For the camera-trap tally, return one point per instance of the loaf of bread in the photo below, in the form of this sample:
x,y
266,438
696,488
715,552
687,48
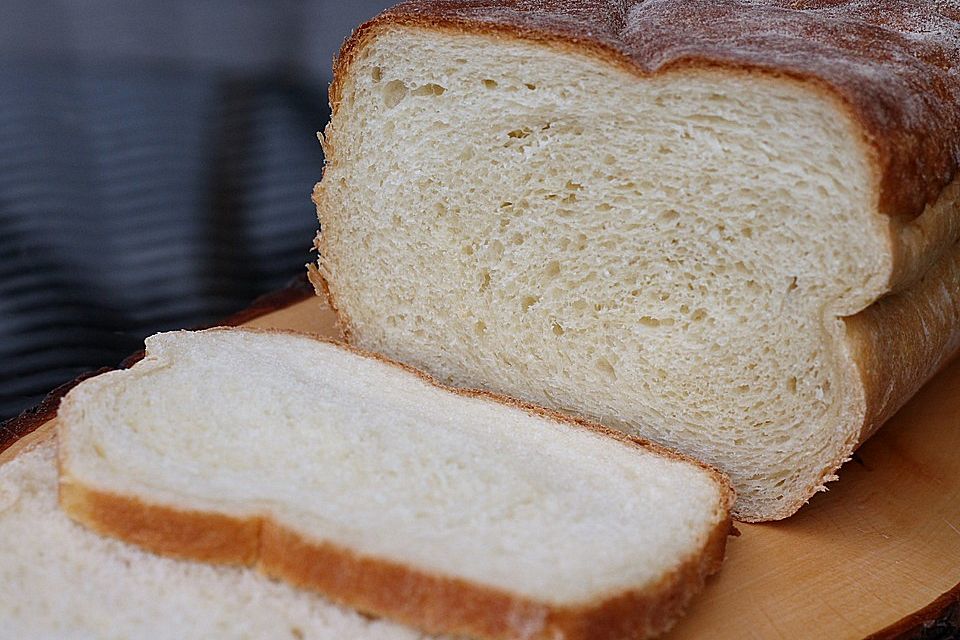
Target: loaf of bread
x,y
64,582
455,512
728,226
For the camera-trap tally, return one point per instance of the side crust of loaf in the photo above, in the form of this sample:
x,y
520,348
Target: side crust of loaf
x,y
903,339
431,602
898,343
906,337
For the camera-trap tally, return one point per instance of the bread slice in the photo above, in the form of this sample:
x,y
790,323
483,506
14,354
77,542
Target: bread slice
x,y
336,471
728,227
64,582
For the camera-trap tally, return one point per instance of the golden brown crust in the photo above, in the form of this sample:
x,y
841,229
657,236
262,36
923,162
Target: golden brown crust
x,y
891,62
440,604
191,535
429,601
902,340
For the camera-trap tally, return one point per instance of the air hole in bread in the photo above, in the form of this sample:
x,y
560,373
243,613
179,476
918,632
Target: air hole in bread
x,y
430,89
527,302
604,366
393,93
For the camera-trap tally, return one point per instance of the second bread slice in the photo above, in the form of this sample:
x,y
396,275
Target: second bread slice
x,y
343,473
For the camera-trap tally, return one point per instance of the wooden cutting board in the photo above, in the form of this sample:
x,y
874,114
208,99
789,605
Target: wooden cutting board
x,y
878,554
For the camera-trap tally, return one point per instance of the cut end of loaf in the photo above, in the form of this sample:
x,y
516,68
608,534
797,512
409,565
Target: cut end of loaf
x,y
490,517
670,254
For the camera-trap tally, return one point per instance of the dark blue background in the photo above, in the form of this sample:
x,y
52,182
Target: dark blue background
x,y
156,162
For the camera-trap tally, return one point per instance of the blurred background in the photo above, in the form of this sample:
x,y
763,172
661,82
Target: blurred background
x,y
156,163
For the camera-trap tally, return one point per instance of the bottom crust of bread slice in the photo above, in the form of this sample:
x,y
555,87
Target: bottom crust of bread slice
x,y
337,471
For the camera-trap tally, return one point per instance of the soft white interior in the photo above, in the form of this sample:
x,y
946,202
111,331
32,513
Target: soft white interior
x,y
347,449
668,254
62,582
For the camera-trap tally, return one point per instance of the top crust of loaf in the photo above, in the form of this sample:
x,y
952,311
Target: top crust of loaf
x,y
891,63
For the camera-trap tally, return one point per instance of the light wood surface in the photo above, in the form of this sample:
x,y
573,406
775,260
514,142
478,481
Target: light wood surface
x,y
882,543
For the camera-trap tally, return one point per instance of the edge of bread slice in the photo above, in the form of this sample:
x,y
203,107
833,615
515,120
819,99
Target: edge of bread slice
x,y
153,484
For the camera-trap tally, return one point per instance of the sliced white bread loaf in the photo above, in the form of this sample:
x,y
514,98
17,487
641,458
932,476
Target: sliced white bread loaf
x,y
336,471
62,581
677,217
